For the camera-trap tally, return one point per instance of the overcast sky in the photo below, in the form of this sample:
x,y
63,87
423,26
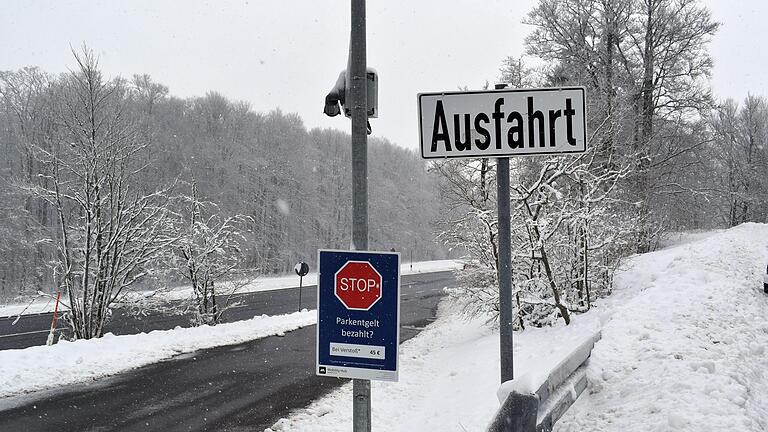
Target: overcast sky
x,y
287,54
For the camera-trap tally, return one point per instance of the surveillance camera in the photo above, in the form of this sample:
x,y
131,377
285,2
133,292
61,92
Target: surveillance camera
x,y
334,101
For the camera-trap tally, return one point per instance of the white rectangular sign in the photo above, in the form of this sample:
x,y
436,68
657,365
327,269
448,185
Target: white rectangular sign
x,y
360,351
506,122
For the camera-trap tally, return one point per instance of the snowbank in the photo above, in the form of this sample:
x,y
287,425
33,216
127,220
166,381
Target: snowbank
x,y
683,348
46,305
684,342
449,374
679,238
292,281
44,367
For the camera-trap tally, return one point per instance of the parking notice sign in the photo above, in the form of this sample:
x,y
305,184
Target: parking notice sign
x,y
358,314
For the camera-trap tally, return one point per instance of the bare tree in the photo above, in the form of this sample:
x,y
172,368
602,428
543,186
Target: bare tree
x,y
668,49
564,251
516,73
208,255
468,227
741,153
108,232
647,64
148,91
25,114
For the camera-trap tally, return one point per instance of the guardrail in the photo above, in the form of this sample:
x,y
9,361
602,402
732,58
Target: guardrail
x,y
526,411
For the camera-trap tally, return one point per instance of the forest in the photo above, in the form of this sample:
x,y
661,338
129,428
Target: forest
x,y
107,184
290,186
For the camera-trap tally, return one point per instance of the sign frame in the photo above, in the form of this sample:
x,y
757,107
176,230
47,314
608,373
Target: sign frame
x,y
460,154
357,366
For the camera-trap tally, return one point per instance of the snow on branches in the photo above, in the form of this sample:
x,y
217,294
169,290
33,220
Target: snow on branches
x,y
208,255
566,237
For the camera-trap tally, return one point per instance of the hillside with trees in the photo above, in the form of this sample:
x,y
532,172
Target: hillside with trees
x,y
80,149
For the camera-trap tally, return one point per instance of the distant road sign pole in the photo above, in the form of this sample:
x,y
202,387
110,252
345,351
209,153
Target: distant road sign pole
x,y
358,103
301,269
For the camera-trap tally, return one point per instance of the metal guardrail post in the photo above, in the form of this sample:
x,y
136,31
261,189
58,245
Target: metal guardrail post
x,y
517,414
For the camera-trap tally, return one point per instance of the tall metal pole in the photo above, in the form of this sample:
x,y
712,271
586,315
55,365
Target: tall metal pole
x,y
505,267
361,389
505,270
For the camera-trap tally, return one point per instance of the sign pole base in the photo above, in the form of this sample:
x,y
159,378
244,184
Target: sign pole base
x,y
361,405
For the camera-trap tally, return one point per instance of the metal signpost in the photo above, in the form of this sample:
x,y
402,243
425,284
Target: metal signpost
x,y
301,269
355,93
503,123
358,308
358,104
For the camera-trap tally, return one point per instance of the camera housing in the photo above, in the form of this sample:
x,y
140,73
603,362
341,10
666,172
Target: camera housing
x,y
336,99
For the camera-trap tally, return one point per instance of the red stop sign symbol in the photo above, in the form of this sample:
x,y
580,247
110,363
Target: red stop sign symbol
x,y
357,285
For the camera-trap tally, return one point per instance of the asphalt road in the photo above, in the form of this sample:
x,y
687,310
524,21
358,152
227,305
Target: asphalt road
x,y
31,330
245,387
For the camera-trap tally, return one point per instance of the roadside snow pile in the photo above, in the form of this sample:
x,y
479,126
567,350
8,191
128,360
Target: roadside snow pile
x,y
685,342
449,375
429,266
44,367
292,281
46,305
679,238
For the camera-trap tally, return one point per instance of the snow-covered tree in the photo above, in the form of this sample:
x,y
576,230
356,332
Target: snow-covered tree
x,y
208,256
739,156
108,232
645,65
565,244
468,227
292,181
25,124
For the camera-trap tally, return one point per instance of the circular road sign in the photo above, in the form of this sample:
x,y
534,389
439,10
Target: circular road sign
x,y
357,285
301,269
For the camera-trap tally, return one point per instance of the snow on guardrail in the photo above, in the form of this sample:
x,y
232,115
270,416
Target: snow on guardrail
x,y
536,400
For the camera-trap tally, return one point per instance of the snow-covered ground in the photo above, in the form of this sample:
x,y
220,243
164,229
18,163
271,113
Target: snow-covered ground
x,y
685,343
292,281
46,304
449,374
45,367
683,348
679,238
